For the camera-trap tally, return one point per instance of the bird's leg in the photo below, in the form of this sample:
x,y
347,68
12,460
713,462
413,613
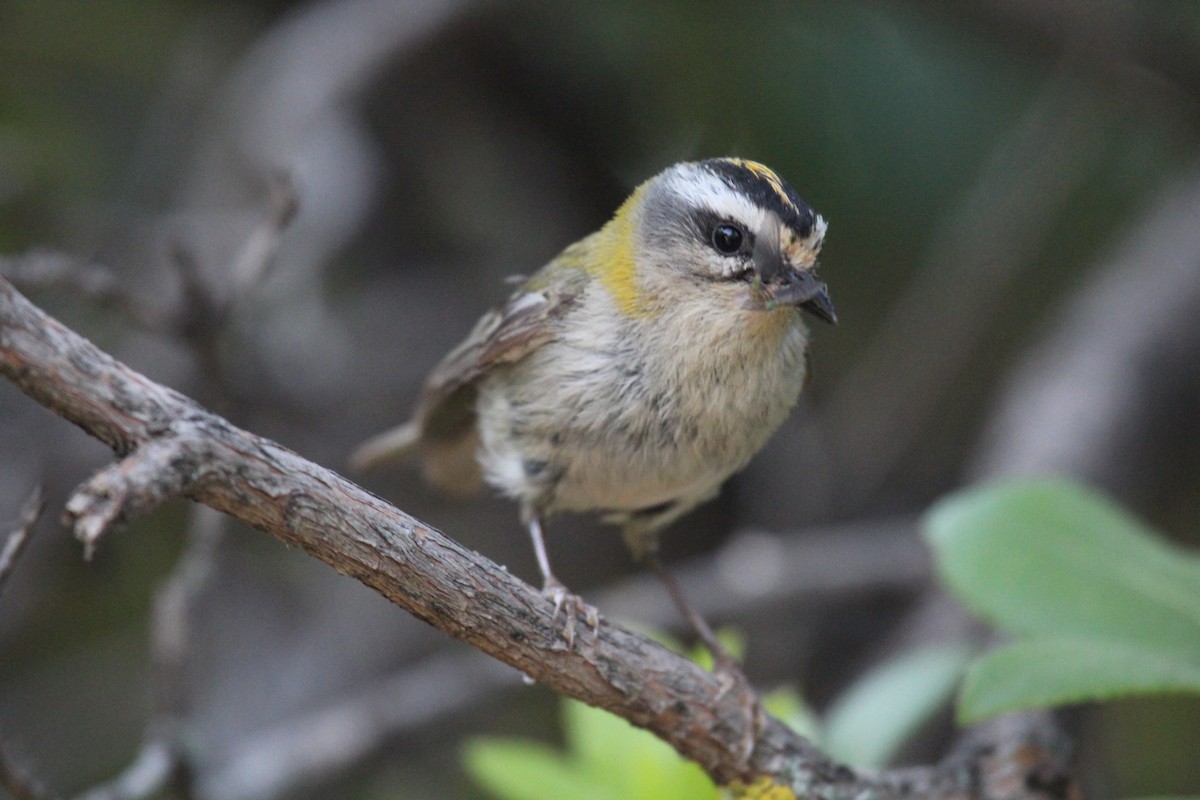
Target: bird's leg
x,y
642,541
727,669
564,599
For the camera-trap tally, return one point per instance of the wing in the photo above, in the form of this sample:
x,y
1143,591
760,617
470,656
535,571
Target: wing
x,y
442,428
504,335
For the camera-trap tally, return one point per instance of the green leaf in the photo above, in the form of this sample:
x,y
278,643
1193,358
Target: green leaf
x,y
1053,558
630,762
595,737
1046,672
521,770
608,759
1109,609
870,722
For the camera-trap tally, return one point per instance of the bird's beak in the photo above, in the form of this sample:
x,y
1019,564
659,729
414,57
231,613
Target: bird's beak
x,y
781,282
799,288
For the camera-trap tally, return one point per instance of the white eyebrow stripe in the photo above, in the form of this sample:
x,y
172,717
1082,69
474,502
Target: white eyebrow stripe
x,y
703,190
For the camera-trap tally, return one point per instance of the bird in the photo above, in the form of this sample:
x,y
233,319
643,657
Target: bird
x,y
636,371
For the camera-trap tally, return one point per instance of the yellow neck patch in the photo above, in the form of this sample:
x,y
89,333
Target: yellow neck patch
x,y
612,260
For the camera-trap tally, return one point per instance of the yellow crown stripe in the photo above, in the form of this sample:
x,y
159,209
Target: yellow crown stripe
x,y
769,175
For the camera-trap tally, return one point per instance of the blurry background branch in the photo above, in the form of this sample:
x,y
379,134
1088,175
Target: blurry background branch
x,y
981,251
14,543
1090,399
15,778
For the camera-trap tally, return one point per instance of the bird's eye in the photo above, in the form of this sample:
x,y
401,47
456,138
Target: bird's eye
x,y
727,238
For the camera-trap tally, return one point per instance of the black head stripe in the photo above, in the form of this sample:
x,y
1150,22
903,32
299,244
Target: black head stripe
x,y
766,189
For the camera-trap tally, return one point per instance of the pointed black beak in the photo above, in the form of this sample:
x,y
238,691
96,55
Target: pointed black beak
x,y
799,288
820,306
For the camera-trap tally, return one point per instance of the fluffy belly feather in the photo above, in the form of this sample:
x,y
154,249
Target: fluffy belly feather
x,y
589,426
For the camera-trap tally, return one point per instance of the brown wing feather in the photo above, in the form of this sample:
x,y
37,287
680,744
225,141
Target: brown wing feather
x,y
442,428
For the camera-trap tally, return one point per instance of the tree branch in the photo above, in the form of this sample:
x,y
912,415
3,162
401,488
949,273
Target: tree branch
x,y
168,446
846,560
14,543
13,778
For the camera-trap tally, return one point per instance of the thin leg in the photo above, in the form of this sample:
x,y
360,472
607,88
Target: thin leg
x,y
552,587
725,666
539,550
723,660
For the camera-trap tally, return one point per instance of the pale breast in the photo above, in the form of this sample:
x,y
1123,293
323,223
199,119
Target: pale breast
x,y
623,413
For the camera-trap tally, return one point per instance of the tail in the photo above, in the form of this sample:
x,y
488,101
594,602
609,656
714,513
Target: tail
x,y
449,465
391,445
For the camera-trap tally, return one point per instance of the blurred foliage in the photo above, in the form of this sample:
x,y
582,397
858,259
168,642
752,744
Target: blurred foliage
x,y
1101,605
76,83
872,721
606,758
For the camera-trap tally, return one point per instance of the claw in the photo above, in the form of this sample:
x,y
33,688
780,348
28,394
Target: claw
x,y
593,618
565,601
570,605
558,593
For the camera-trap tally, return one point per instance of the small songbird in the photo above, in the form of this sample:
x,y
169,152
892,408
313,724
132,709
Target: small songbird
x,y
636,371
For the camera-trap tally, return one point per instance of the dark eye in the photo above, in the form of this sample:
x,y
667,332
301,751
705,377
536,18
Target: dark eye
x,y
727,238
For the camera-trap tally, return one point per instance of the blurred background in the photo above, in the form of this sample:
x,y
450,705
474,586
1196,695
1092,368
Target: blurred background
x,y
1013,191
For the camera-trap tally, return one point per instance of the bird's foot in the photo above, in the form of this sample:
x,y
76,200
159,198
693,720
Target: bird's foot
x,y
570,605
